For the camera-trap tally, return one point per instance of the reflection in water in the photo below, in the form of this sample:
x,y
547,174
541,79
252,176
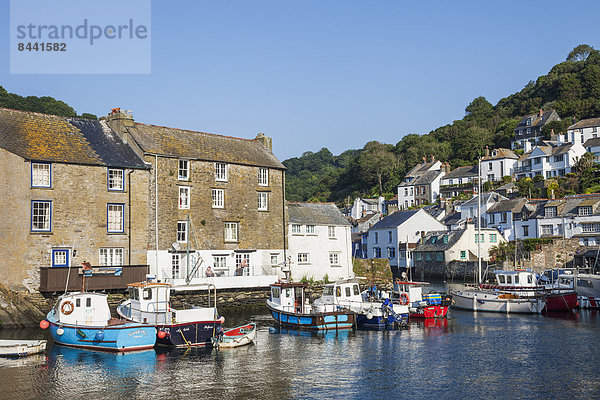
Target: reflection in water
x,y
470,355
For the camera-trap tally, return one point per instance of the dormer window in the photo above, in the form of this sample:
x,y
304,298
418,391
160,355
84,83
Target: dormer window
x,y
550,212
528,121
494,153
584,210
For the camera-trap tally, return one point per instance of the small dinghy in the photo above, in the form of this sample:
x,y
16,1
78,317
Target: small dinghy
x,y
19,348
236,337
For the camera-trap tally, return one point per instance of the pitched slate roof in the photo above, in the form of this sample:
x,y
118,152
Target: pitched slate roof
x,y
536,120
487,196
395,219
42,137
434,240
514,205
585,123
593,142
316,214
202,146
501,153
463,172
422,167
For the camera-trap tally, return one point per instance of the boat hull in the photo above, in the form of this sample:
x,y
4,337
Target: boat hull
x,y
589,302
491,302
199,333
236,337
336,320
20,348
124,337
561,302
430,312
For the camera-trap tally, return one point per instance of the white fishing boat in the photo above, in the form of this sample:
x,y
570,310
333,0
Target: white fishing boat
x,y
20,348
371,311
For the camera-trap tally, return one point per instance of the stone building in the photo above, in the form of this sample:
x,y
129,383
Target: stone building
x,y
71,191
214,201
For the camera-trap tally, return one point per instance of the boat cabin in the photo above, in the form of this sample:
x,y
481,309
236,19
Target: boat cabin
x,y
289,297
344,292
414,291
520,278
82,309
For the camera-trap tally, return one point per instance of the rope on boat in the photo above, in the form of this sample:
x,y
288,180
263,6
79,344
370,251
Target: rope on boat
x,y
183,336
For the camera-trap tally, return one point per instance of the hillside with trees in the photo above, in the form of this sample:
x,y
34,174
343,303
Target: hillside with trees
x,y
572,88
45,105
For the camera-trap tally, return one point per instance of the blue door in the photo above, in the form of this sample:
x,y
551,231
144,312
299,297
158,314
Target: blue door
x,y
60,257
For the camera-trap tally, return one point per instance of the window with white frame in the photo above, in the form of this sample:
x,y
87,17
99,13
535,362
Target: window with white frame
x,y
182,233
174,266
220,262
547,229
115,215
593,227
263,201
183,173
550,212
184,197
116,179
263,176
111,256
310,229
296,229
231,231
334,259
41,175
218,198
303,258
584,210
60,257
331,232
242,264
41,215
221,172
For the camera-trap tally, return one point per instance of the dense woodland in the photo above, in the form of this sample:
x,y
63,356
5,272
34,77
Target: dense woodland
x,y
572,88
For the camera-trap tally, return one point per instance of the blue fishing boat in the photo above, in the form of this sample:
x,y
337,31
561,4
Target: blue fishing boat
x,y
84,320
290,307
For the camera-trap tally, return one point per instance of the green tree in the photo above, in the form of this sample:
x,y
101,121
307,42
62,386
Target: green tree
x,y
580,53
376,162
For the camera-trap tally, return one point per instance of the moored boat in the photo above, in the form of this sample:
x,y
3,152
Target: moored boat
x,y
20,348
587,286
289,306
372,310
236,337
430,305
84,320
149,303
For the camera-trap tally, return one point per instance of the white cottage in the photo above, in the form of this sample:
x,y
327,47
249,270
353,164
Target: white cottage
x,y
319,241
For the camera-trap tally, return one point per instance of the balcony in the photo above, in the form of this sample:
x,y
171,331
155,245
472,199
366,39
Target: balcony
x,y
101,278
525,168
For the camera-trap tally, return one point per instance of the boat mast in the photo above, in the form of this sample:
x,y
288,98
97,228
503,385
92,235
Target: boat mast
x,y
479,221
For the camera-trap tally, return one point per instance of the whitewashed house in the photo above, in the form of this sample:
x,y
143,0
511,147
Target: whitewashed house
x,y
320,242
583,130
363,206
499,163
530,127
593,146
396,235
469,210
461,180
549,159
421,185
510,215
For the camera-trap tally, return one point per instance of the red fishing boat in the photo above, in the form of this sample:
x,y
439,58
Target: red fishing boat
x,y
430,305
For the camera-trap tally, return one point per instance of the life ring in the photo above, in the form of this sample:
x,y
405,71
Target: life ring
x,y
67,307
404,299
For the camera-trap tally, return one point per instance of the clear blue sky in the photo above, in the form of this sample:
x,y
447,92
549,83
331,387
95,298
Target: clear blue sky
x,y
333,74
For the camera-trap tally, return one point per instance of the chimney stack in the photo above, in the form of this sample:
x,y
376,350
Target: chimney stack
x,y
526,146
541,112
119,120
487,151
265,141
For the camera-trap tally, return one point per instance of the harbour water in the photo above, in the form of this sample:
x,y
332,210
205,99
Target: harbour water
x,y
467,356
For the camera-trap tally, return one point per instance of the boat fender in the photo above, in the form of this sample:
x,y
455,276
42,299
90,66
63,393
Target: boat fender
x,y
404,300
369,315
60,331
44,324
161,334
66,307
99,336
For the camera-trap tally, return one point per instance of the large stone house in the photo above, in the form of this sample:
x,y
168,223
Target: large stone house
x,y
72,191
320,242
214,201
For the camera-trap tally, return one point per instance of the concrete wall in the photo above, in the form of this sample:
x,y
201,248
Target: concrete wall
x,y
79,198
